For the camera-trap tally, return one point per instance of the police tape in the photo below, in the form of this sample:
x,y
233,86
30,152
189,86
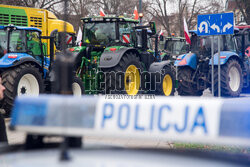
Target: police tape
x,y
189,119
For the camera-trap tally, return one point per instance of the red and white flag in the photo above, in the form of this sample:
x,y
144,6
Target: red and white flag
x,y
136,14
102,12
186,31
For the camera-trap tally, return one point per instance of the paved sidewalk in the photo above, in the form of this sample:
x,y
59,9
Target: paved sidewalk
x,y
19,138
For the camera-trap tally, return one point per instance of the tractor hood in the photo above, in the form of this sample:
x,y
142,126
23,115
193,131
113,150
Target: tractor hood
x,y
188,59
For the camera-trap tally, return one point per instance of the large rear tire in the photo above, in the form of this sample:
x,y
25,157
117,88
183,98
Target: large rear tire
x,y
77,87
231,79
25,79
167,85
185,85
129,80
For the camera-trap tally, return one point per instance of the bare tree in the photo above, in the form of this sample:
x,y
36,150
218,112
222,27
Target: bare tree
x,y
244,7
43,4
182,5
170,14
158,9
12,2
117,7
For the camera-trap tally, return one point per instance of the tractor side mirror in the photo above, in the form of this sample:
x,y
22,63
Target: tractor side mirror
x,y
152,27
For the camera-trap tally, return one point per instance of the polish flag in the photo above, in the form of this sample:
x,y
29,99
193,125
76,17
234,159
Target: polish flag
x,y
136,14
102,12
186,31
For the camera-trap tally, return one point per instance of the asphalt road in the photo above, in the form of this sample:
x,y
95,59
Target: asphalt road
x,y
19,138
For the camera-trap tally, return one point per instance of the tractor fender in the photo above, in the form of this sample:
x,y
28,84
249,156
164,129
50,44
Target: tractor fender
x,y
158,66
15,59
110,59
224,56
188,59
156,71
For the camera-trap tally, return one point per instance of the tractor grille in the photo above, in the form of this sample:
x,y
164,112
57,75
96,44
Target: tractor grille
x,y
19,20
36,22
4,19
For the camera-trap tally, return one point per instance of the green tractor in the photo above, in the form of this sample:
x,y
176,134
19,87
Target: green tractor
x,y
115,57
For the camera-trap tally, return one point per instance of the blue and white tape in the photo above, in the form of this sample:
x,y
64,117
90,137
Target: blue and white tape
x,y
202,120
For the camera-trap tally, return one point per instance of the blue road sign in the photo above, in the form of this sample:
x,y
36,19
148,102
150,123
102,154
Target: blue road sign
x,y
215,24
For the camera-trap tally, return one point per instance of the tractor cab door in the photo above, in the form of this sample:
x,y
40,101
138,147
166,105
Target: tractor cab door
x,y
34,44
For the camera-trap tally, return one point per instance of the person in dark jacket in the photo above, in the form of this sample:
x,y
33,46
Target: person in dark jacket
x,y
3,135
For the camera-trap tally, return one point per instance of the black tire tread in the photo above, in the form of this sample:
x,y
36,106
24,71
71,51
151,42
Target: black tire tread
x,y
8,80
186,88
225,89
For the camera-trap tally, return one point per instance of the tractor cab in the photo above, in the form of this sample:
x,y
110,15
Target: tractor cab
x,y
201,45
20,40
108,30
171,47
242,40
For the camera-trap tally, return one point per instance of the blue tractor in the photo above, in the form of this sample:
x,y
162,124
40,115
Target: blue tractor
x,y
25,67
194,68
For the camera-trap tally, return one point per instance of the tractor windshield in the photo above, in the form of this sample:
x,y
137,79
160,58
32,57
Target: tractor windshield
x,y
203,44
228,43
3,42
17,41
175,47
99,33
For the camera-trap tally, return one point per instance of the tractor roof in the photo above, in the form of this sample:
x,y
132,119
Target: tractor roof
x,y
109,18
22,28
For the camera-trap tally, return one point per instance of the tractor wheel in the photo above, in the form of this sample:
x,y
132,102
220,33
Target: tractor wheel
x,y
167,84
25,79
185,86
77,87
128,82
231,79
